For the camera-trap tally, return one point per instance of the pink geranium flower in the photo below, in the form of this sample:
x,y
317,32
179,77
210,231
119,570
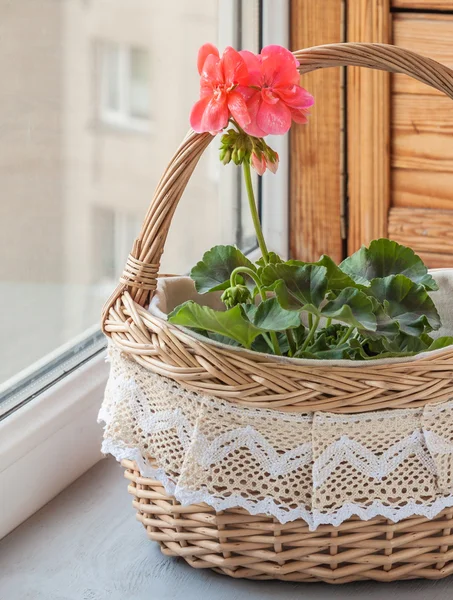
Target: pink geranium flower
x,y
274,96
220,77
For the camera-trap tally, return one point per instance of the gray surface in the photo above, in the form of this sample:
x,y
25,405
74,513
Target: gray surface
x,y
85,545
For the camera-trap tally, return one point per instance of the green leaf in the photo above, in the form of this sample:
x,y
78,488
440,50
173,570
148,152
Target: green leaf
x,y
213,272
261,345
230,323
270,316
272,259
353,307
402,343
296,286
336,278
334,353
405,304
441,342
383,258
223,339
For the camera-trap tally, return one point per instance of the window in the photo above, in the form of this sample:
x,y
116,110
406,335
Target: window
x,y
125,86
98,100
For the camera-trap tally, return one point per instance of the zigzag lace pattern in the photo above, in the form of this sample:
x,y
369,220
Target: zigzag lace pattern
x,y
321,467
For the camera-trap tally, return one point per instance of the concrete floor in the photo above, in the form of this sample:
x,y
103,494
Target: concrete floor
x,y
85,545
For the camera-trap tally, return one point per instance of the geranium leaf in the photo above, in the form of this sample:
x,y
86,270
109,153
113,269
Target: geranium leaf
x,y
272,259
270,316
296,286
336,278
441,342
213,271
230,323
353,307
406,304
383,258
261,345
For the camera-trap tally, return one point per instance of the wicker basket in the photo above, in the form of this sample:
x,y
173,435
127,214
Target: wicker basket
x,y
235,542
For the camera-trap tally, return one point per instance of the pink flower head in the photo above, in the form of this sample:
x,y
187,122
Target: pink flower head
x,y
220,76
274,96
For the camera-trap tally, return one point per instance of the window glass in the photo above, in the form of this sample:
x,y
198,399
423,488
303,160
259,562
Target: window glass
x,y
97,100
139,83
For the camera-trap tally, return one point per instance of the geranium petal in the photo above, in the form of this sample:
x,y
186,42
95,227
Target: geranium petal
x,y
299,115
234,68
215,116
253,105
196,114
203,53
211,73
295,96
279,67
253,62
274,118
238,109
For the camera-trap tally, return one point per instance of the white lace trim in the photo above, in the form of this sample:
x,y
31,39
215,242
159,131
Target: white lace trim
x,y
193,437
268,506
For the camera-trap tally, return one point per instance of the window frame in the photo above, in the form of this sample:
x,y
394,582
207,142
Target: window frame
x,y
40,443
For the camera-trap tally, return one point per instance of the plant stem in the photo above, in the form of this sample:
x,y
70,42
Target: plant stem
x,y
346,336
328,322
251,274
291,342
256,279
254,211
275,343
311,334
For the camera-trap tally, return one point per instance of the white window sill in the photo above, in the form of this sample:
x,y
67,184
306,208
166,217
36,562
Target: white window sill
x,y
86,545
50,442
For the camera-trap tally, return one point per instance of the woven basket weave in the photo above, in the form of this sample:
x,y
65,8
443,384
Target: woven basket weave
x,y
259,547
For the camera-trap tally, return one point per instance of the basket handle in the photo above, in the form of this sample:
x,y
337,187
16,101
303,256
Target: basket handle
x,y
140,274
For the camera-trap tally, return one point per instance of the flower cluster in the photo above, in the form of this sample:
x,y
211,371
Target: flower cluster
x,y
238,146
261,92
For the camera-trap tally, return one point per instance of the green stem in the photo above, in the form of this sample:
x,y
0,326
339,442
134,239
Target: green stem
x,y
291,342
256,279
254,211
328,322
346,336
275,343
311,334
310,320
247,271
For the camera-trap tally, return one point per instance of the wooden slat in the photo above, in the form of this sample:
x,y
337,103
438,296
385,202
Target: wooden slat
x,y
423,4
436,261
427,34
316,177
422,144
422,189
424,230
422,128
368,128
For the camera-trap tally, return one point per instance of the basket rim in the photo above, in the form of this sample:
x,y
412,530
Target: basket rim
x,y
303,362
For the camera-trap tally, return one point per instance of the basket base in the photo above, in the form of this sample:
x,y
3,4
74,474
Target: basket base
x,y
240,545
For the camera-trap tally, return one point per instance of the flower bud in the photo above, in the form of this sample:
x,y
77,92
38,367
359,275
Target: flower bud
x,y
236,295
226,157
235,157
272,162
258,162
